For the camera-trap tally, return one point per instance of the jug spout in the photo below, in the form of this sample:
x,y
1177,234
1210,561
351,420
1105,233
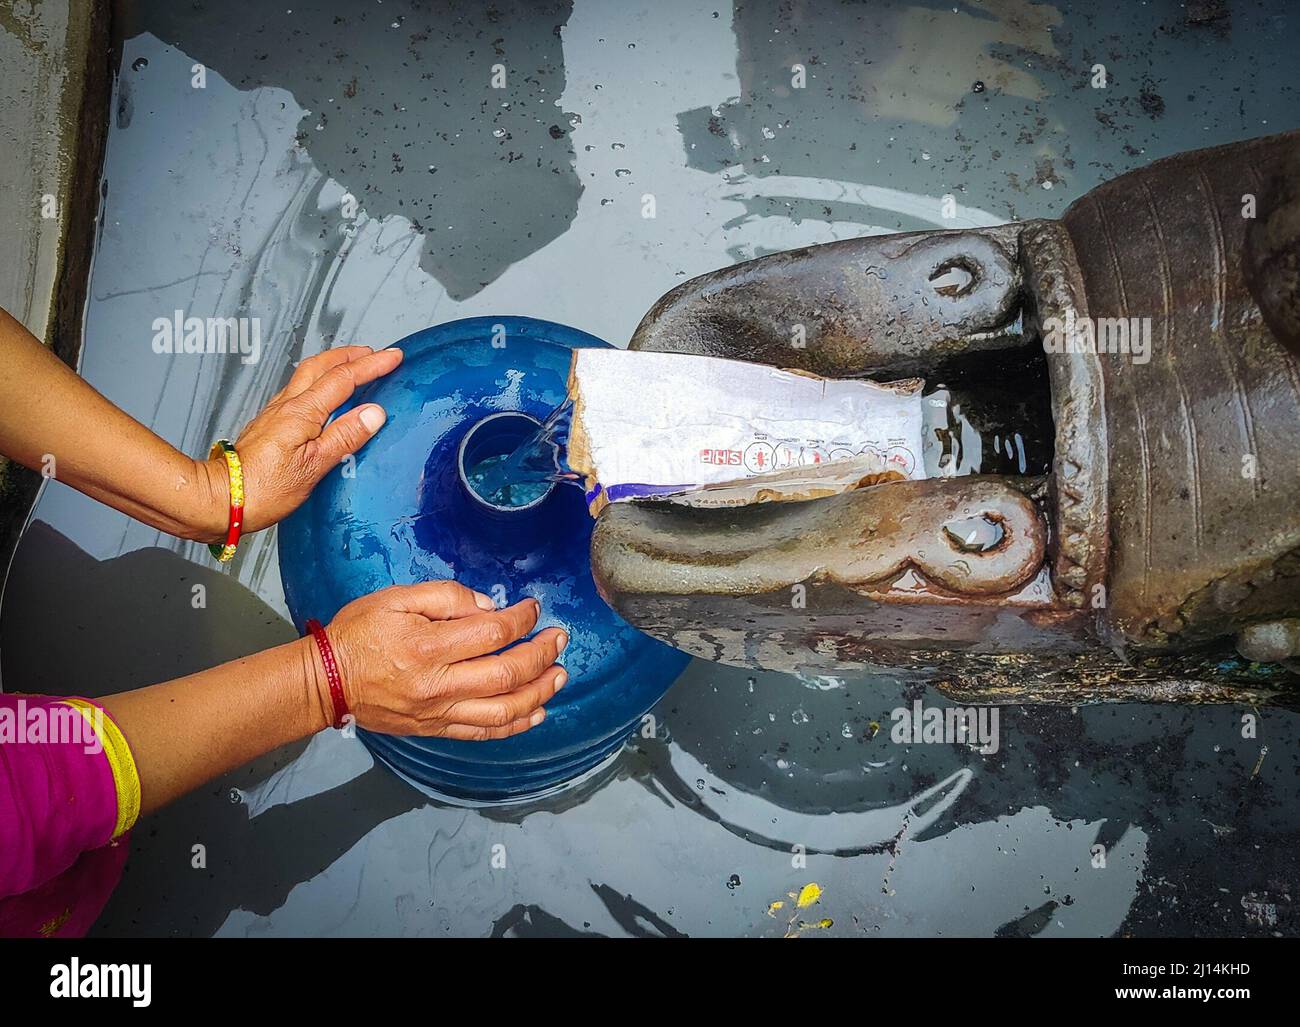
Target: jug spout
x,y
497,435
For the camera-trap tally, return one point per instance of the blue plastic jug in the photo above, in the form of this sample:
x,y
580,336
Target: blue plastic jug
x,y
465,391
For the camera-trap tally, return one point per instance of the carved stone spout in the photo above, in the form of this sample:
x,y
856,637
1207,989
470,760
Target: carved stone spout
x,y
1150,552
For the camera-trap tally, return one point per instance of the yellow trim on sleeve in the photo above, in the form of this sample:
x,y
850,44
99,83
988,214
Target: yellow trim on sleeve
x,y
126,779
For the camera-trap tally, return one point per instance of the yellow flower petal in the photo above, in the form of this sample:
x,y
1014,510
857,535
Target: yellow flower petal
x,y
810,894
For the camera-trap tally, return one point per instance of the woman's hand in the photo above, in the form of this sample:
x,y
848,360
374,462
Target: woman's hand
x,y
415,660
54,422
286,449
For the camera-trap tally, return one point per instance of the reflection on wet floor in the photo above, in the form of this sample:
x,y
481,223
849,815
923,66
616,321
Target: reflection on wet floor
x,y
238,199
404,129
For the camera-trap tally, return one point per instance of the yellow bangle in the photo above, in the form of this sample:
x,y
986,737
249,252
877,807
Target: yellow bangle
x,y
226,448
126,779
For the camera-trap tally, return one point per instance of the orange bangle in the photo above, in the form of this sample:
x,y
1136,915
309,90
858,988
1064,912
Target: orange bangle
x,y
226,448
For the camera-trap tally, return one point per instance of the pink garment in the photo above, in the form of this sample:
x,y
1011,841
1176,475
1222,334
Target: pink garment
x,y
58,800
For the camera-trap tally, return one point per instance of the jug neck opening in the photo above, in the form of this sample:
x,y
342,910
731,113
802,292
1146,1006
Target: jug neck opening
x,y
496,435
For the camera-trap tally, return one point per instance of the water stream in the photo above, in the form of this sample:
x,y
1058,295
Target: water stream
x,y
523,476
963,433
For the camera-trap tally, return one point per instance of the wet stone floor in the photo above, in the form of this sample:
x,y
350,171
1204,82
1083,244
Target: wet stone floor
x,y
230,199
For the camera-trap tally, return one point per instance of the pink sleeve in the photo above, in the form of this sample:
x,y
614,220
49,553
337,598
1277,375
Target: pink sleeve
x,y
60,786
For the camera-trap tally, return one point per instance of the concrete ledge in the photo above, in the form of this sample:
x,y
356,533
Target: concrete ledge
x,y
54,94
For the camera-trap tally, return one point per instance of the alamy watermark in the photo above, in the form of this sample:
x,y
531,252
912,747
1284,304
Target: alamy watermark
x,y
241,336
1117,336
43,723
75,979
976,726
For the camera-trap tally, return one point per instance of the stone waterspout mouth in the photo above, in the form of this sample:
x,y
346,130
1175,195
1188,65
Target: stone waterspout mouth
x,y
1148,532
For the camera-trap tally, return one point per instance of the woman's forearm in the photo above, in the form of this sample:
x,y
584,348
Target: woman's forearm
x,y
53,421
185,732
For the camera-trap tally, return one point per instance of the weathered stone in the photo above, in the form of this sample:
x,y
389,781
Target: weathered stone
x,y
54,87
1171,514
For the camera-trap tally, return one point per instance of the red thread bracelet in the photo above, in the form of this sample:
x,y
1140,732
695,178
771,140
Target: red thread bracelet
x,y
331,671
